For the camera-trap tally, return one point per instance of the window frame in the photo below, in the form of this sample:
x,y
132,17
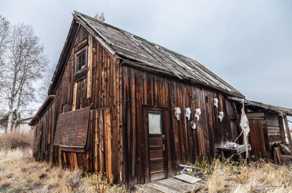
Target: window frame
x,y
161,122
80,72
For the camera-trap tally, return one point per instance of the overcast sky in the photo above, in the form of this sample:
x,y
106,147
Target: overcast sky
x,y
247,42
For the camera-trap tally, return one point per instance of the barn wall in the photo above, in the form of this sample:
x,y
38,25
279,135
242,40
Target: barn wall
x,y
100,89
145,89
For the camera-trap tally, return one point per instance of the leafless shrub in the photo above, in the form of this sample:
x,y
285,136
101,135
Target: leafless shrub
x,y
15,140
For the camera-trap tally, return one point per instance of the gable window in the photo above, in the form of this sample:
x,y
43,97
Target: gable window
x,y
81,63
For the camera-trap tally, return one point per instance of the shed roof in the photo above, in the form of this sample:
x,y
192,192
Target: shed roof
x,y
41,110
277,109
148,55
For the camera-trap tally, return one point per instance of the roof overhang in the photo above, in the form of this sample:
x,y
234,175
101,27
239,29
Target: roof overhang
x,y
41,110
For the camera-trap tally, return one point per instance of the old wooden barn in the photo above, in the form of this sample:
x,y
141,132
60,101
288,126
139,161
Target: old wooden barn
x,y
131,109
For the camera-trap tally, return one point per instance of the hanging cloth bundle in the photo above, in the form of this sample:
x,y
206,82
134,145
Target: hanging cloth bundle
x,y
244,124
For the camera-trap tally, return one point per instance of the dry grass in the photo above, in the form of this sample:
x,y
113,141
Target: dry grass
x,y
19,173
259,177
16,140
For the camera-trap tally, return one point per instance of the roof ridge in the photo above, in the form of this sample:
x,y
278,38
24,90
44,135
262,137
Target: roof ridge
x,y
134,35
100,22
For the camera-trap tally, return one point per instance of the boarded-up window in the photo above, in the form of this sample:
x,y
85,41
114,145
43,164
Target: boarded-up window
x,y
72,128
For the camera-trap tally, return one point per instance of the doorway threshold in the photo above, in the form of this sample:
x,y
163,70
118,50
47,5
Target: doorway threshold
x,y
177,184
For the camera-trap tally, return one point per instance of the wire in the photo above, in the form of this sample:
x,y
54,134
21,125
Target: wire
x,y
235,140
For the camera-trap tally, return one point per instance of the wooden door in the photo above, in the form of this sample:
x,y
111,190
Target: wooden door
x,y
257,137
157,144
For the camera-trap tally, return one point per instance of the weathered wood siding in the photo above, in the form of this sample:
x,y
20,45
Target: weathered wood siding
x,y
99,89
141,89
274,126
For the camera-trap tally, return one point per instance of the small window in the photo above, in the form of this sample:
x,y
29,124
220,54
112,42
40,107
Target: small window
x,y
154,123
81,60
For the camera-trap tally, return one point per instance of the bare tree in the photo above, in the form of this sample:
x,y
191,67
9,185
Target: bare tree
x,y
4,35
24,70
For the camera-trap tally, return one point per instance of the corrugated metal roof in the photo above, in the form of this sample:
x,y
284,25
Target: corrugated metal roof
x,y
155,56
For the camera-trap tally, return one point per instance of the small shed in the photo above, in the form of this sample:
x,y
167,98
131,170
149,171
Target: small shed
x,y
269,127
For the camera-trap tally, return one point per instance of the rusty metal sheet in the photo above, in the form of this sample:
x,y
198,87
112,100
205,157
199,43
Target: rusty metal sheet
x,y
72,128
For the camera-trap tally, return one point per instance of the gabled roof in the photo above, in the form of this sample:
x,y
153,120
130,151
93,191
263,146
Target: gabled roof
x,y
136,51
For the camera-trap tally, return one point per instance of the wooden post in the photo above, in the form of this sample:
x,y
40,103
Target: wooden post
x,y
96,143
287,130
108,145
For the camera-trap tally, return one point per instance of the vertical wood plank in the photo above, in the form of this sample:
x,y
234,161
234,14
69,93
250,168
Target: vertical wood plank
x,y
108,145
89,71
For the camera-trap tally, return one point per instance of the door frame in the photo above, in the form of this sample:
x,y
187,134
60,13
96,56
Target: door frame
x,y
165,118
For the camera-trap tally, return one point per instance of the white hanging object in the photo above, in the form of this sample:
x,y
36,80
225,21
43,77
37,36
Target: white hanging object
x,y
198,113
244,124
216,102
194,125
188,113
177,112
221,116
